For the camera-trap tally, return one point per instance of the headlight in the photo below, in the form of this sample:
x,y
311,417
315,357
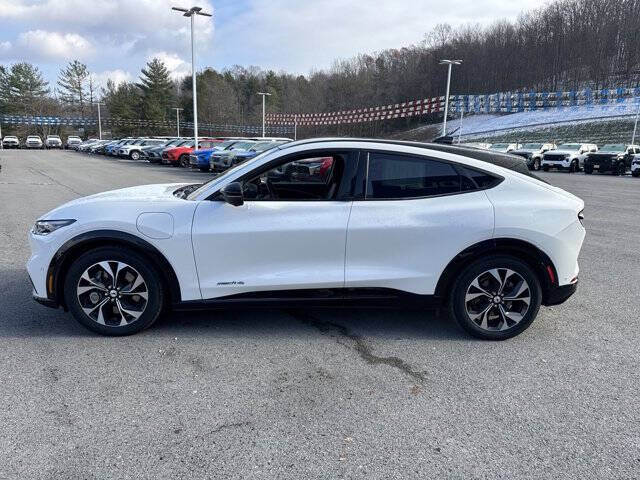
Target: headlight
x,y
45,227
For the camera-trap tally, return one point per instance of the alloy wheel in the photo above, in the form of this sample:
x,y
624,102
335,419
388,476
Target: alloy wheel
x,y
497,299
112,293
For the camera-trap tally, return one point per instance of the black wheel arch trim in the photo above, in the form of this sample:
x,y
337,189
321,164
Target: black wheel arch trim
x,y
61,261
529,253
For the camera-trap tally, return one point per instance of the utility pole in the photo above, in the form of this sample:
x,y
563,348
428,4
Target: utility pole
x,y
191,13
264,95
450,64
99,120
178,118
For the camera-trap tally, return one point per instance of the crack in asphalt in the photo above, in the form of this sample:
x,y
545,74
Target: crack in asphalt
x,y
80,194
229,425
359,345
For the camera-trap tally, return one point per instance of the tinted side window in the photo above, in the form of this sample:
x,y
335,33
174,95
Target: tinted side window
x,y
480,179
398,176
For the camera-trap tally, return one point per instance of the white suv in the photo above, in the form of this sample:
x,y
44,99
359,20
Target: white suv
x,y
568,156
53,141
33,141
10,141
374,221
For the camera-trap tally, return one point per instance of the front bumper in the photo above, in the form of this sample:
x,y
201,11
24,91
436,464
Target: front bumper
x,y
559,164
47,302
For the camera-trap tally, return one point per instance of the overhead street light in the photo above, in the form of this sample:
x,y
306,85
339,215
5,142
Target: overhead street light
x,y
264,95
450,63
191,13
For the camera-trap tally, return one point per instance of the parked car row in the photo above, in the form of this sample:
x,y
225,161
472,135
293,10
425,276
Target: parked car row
x,y
615,158
34,141
213,154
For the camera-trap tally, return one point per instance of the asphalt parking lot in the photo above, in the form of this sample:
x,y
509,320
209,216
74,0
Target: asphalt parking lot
x,y
318,393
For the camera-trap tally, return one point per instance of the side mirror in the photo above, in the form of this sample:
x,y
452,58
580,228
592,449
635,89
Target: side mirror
x,y
232,194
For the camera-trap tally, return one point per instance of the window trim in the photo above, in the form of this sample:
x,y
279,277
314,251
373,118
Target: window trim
x,y
457,166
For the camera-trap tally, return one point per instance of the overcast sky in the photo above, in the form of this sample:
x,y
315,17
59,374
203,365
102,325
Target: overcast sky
x,y
116,37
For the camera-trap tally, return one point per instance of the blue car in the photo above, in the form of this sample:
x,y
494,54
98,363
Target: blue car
x,y
112,149
201,158
221,161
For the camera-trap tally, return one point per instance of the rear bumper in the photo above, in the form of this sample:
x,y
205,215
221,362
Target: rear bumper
x,y
558,295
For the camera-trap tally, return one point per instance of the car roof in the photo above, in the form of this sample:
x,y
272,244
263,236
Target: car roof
x,y
504,160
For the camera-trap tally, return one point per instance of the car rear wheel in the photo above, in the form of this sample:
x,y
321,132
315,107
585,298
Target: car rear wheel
x,y
588,169
635,173
545,168
113,291
496,298
184,161
621,169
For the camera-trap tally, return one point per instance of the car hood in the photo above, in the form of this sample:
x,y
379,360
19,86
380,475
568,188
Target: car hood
x,y
206,151
143,194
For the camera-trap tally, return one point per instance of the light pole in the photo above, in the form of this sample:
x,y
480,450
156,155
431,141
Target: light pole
x,y
99,120
264,95
178,118
191,13
450,64
635,126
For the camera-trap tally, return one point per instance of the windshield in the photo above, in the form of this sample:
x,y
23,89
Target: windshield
x,y
569,146
264,146
532,146
225,174
242,145
499,146
54,137
614,147
33,137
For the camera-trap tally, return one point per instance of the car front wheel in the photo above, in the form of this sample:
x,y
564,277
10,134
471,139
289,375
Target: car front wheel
x,y
113,291
496,298
134,155
184,161
536,164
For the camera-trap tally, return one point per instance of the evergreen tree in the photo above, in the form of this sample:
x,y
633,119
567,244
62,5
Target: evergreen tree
x,y
157,90
72,82
23,89
122,102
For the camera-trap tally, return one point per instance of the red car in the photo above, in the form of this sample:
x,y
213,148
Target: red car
x,y
179,156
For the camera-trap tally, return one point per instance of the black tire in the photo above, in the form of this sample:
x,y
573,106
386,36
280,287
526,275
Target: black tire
x,y
536,164
204,169
588,169
635,173
545,168
135,155
457,306
183,161
621,169
141,264
573,168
